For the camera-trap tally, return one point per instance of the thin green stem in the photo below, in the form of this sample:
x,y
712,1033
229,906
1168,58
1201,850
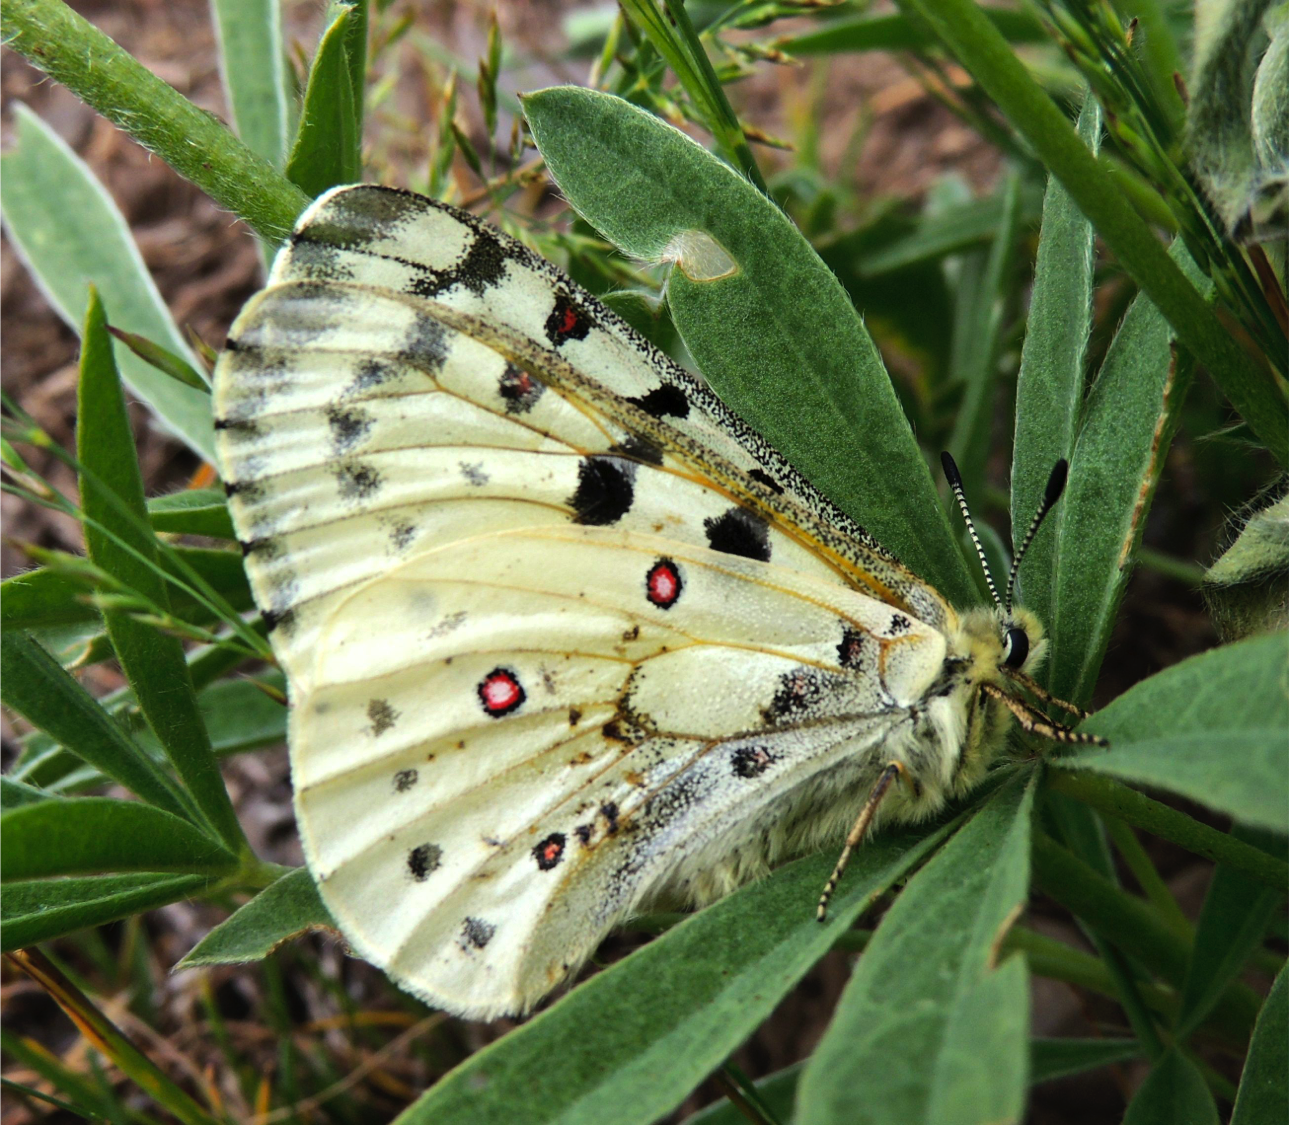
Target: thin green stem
x,y
1158,819
987,56
1143,870
1190,573
52,37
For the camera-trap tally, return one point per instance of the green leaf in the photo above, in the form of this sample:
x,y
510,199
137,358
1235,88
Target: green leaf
x,y
197,511
1052,377
1050,1059
1264,1094
777,1094
929,1029
71,234
960,226
1131,414
119,539
42,598
1163,732
98,835
283,910
777,338
1232,924
15,793
680,1005
355,51
977,332
1174,1093
327,148
35,686
1004,77
48,908
896,32
252,63
165,361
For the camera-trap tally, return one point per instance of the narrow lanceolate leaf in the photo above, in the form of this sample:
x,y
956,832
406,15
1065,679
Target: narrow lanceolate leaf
x,y
1053,372
766,321
35,686
198,511
119,539
100,835
1232,925
1050,1059
1128,424
15,793
1264,1093
1163,732
355,51
1173,1094
45,597
680,1005
896,32
327,143
977,352
41,909
252,63
283,910
71,234
931,1029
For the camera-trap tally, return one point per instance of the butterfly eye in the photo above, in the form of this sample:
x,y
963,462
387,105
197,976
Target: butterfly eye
x,y
1015,647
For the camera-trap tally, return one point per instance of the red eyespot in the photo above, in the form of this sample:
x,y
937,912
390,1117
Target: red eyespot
x,y
663,584
500,692
569,322
550,851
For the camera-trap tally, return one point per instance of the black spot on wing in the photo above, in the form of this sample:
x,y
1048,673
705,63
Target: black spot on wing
x,y
426,345
666,401
739,532
752,761
567,321
424,859
764,478
851,652
404,780
381,716
356,481
371,373
476,933
549,852
605,490
519,389
798,692
349,425
899,624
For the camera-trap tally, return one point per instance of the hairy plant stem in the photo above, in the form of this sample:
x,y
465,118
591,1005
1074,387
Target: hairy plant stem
x,y
52,37
1112,798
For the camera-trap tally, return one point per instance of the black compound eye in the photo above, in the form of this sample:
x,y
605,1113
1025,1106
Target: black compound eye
x,y
1015,647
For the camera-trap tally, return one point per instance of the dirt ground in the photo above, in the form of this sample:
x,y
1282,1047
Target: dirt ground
x,y
206,265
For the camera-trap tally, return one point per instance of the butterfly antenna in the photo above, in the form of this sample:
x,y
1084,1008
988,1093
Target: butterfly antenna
x,y
1051,494
954,478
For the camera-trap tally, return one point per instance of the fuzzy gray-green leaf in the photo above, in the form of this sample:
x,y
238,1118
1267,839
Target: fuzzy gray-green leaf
x,y
930,1029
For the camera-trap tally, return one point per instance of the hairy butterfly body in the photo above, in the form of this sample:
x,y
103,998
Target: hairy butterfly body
x,y
564,637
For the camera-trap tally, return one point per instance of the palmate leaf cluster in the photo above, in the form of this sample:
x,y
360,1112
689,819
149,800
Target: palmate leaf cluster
x,y
933,1025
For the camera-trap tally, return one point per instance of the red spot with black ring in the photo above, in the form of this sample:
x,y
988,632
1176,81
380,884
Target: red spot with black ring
x,y
500,692
663,584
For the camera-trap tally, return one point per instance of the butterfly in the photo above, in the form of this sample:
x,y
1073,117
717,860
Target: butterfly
x,y
565,639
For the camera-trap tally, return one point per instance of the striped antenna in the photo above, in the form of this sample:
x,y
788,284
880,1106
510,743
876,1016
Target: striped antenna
x,y
954,478
1051,494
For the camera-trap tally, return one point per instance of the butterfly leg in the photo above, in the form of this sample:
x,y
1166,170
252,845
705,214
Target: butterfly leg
x,y
866,814
1036,723
1032,686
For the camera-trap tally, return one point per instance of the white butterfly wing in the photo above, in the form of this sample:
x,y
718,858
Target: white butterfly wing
x,y
561,634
